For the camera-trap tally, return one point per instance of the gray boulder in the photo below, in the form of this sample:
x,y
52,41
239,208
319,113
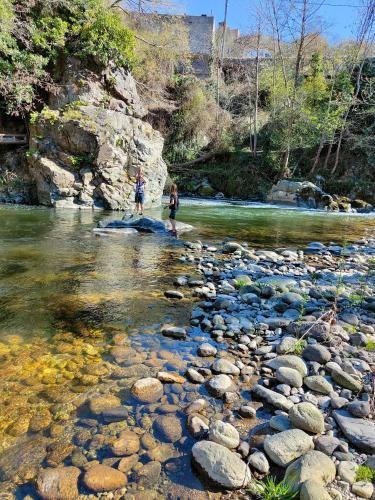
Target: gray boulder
x,y
361,433
221,465
308,417
313,465
286,446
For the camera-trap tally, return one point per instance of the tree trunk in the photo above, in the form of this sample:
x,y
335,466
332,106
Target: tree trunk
x,y
256,94
317,156
300,44
328,155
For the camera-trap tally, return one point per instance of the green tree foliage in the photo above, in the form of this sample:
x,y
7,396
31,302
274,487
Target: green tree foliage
x,y
34,34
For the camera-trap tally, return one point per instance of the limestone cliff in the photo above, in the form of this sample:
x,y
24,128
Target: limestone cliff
x,y
86,146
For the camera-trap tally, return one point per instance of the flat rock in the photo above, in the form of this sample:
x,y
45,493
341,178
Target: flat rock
x,y
271,397
147,390
221,465
313,465
224,433
99,404
318,383
359,432
100,478
58,483
288,361
286,446
20,462
307,417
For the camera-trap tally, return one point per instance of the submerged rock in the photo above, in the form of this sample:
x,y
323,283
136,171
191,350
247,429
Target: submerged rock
x,y
58,483
148,390
100,478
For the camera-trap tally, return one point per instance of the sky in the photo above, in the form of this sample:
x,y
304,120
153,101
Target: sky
x,y
337,16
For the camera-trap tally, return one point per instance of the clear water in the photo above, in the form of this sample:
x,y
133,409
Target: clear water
x,y
62,287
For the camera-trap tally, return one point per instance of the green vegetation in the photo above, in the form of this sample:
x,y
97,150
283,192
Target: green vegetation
x,y
370,346
269,489
365,473
35,37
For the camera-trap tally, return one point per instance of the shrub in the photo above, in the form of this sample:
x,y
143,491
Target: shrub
x,y
365,473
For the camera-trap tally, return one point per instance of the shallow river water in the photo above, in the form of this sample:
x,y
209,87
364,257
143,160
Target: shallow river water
x,y
67,296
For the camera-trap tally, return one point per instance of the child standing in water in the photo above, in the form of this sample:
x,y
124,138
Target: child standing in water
x,y
139,192
173,207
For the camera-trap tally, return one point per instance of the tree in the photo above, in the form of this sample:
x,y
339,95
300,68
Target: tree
x,y
37,33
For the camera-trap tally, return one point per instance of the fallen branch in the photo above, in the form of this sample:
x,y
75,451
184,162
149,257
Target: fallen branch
x,y
187,164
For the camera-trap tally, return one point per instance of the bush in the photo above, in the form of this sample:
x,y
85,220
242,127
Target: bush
x,y
365,473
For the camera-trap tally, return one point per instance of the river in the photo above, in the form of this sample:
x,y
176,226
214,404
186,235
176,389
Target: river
x,y
66,292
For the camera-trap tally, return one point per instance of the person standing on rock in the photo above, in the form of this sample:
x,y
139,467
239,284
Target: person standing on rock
x,y
173,207
140,183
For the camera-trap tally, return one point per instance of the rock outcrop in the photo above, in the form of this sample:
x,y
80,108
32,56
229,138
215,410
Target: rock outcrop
x,y
85,148
306,194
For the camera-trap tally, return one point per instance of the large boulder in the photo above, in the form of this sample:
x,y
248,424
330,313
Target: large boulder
x,y
360,432
286,446
313,465
86,147
221,465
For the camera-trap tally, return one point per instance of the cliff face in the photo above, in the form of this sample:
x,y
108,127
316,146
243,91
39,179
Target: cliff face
x,y
86,146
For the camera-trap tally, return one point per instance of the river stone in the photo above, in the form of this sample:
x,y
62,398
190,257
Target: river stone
x,y
359,409
21,463
194,376
231,247
317,353
224,433
259,461
127,463
318,383
126,444
206,349
361,433
101,403
313,465
221,465
286,345
219,384
289,376
280,423
224,366
314,490
100,478
148,390
289,361
345,380
171,378
175,332
148,475
271,397
347,471
40,421
307,417
286,446
363,489
169,427
58,483
327,444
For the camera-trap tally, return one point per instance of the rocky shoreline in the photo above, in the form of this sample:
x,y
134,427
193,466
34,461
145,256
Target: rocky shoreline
x,y
272,378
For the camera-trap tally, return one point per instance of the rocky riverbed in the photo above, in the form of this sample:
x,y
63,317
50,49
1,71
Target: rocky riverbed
x,y
272,377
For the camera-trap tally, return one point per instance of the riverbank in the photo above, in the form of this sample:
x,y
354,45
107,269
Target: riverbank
x,y
271,376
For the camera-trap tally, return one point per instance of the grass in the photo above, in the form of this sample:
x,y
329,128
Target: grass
x,y
240,283
271,490
299,347
370,346
365,473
